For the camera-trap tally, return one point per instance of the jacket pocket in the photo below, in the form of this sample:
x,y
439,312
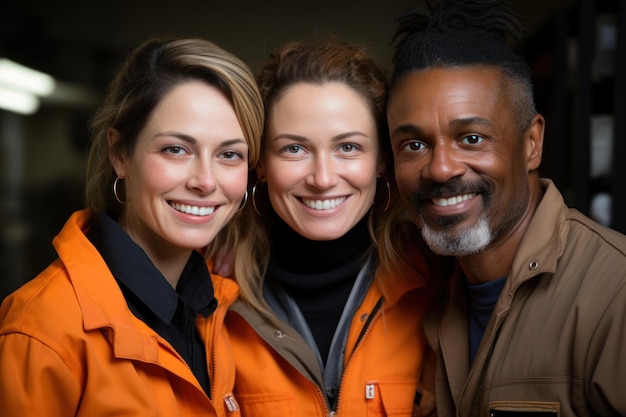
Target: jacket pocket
x,y
524,408
268,404
391,397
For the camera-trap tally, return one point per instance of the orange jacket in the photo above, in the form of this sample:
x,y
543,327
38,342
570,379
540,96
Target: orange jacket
x,y
69,346
278,373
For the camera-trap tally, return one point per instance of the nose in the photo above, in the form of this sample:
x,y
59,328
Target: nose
x,y
444,164
323,172
202,178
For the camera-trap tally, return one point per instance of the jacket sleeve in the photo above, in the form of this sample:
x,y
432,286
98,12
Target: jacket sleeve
x,y
34,380
605,368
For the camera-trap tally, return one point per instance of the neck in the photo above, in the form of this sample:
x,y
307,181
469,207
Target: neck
x,y
168,259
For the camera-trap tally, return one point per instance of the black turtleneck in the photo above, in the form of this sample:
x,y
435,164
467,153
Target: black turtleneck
x,y
318,275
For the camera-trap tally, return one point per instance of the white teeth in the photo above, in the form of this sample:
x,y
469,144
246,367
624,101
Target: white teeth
x,y
195,210
452,200
323,204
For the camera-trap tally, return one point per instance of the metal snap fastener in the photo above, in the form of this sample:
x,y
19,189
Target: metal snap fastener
x,y
279,334
534,264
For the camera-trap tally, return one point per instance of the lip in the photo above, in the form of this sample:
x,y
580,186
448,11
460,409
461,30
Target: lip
x,y
322,205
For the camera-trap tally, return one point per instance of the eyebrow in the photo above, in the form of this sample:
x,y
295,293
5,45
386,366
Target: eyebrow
x,y
455,124
406,128
336,138
467,121
193,141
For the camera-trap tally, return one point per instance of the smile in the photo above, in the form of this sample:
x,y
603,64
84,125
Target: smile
x,y
323,204
195,210
450,201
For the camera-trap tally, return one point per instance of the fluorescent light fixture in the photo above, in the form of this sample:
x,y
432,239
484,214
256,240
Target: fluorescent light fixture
x,y
18,101
19,77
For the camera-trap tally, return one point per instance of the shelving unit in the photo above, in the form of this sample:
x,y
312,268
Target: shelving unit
x,y
579,62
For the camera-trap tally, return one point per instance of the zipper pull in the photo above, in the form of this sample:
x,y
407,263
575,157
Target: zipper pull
x,y
231,403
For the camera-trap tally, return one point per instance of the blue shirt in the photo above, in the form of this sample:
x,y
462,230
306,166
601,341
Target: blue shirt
x,y
481,300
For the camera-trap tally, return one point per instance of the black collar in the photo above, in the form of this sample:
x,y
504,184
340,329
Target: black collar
x,y
136,273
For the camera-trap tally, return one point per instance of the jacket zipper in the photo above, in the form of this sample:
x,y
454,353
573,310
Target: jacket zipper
x,y
366,329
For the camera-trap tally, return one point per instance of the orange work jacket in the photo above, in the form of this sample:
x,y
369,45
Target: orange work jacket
x,y
278,373
69,346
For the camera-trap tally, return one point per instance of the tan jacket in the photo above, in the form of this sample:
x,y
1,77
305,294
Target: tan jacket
x,y
557,338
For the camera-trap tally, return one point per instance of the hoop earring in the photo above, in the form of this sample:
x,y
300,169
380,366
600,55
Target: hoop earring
x,y
243,202
388,193
254,197
117,197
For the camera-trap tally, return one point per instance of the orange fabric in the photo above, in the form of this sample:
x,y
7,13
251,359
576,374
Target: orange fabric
x,y
278,374
69,346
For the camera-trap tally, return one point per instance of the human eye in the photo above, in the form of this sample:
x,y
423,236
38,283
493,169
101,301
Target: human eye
x,y
292,149
413,146
231,155
472,139
348,147
175,150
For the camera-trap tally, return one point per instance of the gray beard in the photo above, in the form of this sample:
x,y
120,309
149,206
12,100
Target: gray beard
x,y
463,242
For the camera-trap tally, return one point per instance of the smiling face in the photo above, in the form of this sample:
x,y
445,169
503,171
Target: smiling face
x,y
188,171
321,159
462,165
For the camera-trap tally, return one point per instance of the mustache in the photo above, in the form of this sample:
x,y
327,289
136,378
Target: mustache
x,y
450,188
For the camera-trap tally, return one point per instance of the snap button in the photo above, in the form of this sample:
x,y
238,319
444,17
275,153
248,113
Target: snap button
x,y
534,264
279,334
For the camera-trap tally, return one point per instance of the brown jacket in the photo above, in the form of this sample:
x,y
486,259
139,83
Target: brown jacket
x,y
556,339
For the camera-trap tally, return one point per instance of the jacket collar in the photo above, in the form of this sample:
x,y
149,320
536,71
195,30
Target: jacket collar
x,y
101,301
543,242
413,275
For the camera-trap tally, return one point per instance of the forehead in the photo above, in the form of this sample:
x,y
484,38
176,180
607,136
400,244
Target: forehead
x,y
472,90
323,106
328,94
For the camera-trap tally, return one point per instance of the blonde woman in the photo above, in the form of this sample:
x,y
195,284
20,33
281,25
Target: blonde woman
x,y
126,321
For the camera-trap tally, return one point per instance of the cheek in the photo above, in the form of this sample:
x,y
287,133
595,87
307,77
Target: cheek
x,y
363,176
406,177
282,177
234,182
153,179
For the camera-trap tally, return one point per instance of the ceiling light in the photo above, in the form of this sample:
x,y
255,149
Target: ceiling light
x,y
18,101
19,77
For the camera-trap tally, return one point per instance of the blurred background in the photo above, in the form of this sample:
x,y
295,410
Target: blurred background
x,y
575,48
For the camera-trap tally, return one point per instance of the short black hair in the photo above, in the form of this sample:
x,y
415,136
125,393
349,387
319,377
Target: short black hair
x,y
458,33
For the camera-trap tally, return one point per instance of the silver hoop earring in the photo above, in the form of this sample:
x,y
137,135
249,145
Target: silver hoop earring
x,y
388,193
243,202
117,197
254,197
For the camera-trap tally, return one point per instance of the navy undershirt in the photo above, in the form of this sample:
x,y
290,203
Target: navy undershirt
x,y
151,298
481,300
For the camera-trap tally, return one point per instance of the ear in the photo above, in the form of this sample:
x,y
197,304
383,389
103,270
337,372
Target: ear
x,y
381,166
116,156
260,171
534,142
